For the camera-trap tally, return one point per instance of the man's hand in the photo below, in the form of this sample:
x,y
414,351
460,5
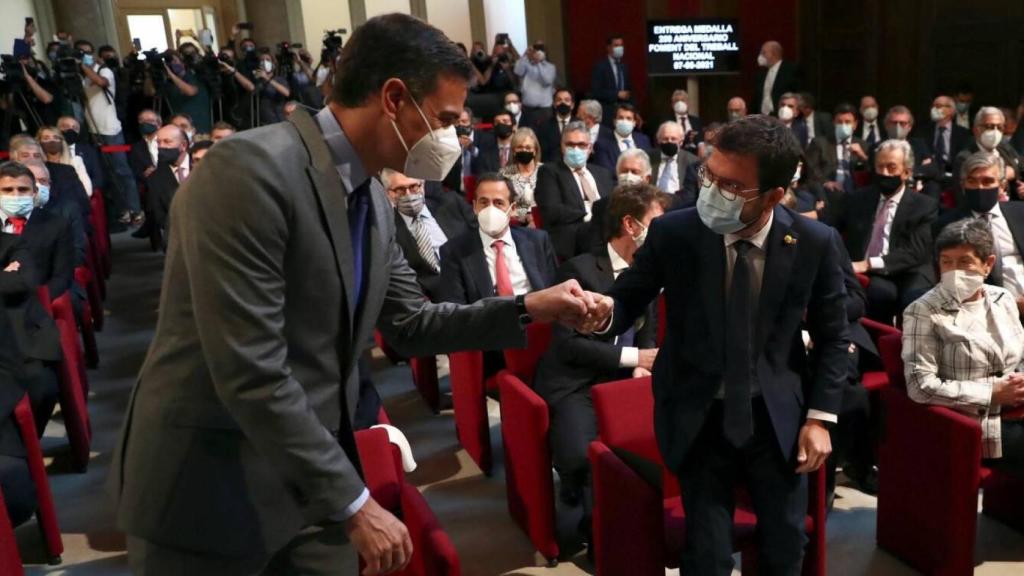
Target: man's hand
x,y
639,372
13,267
813,447
148,171
861,267
623,94
381,539
465,142
647,357
598,318
567,303
857,150
833,186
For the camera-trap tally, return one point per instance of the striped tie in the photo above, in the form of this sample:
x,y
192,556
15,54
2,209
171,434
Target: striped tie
x,y
423,242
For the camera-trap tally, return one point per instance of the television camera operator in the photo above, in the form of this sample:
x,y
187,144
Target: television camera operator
x,y
324,74
189,80
236,88
28,89
295,63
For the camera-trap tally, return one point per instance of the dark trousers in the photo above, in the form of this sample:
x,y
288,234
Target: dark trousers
x,y
708,478
573,427
42,386
1012,461
19,492
314,551
888,297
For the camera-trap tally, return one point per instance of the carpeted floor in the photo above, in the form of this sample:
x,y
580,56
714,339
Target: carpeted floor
x,y
469,505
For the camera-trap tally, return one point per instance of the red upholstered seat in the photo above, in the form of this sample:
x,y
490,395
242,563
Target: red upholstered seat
x,y
538,220
469,401
73,392
46,512
10,559
639,527
85,278
932,525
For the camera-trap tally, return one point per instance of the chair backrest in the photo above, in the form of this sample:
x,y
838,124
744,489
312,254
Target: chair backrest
x,y
662,319
523,361
625,416
43,293
379,471
10,560
538,220
890,346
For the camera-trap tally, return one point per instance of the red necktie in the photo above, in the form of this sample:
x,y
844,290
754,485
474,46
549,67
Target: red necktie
x,y
502,279
18,223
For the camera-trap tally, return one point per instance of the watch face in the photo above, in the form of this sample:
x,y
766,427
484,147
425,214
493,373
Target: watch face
x,y
525,319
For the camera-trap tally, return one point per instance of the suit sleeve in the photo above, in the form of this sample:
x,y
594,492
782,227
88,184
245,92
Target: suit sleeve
x,y
552,210
549,261
827,323
25,279
917,251
79,239
237,284
451,287
579,351
63,259
640,284
647,337
598,88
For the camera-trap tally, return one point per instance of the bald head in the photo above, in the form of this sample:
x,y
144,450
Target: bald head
x,y
171,136
736,108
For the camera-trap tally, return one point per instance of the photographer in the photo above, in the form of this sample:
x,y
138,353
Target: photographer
x,y
100,87
33,93
324,74
183,90
302,80
273,90
235,90
499,76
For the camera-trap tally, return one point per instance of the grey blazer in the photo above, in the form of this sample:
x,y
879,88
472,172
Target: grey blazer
x,y
237,433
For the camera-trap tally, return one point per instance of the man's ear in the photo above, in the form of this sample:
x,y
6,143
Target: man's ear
x,y
774,196
391,95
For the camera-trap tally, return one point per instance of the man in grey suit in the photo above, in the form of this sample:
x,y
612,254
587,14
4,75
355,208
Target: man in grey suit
x,y
673,169
237,454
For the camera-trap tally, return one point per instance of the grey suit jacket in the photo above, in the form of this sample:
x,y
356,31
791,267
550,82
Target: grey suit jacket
x,y
237,433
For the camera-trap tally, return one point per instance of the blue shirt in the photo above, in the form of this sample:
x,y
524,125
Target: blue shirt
x,y
437,237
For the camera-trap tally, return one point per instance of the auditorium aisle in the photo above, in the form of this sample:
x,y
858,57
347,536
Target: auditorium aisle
x,y
469,505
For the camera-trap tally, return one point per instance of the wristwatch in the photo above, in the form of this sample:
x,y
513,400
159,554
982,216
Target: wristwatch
x,y
524,314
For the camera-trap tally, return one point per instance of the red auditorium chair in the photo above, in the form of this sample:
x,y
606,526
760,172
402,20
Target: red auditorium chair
x,y
46,513
538,220
638,527
469,185
433,551
469,401
101,232
873,381
930,470
85,278
10,559
529,485
424,372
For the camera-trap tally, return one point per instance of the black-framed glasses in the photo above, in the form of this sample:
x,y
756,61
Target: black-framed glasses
x,y
729,190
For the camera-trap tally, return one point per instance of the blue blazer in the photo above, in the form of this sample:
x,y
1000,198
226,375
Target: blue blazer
x,y
464,274
802,275
606,149
602,82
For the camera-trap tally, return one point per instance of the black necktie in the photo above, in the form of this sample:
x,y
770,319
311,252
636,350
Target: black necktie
x,y
620,81
940,145
995,277
358,217
738,424
872,137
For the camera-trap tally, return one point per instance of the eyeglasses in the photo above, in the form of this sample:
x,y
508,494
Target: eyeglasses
x,y
729,190
410,189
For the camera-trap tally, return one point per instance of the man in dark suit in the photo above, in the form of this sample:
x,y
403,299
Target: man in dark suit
x,y
172,169
142,157
775,77
549,132
832,158
80,146
983,184
888,232
65,185
239,423
479,149
988,131
943,137
963,101
497,259
496,153
609,78
575,362
734,395
810,122
426,217
567,189
673,169
591,113
623,137
62,208
679,112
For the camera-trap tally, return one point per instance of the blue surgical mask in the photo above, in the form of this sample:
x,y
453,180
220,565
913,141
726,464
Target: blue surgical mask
x,y
624,128
575,158
17,205
88,60
617,52
720,215
843,131
42,194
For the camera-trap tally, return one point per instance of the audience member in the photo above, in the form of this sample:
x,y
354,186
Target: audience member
x,y
609,80
944,138
64,183
675,169
498,75
869,130
522,173
184,92
624,136
513,104
197,151
788,114
172,168
184,122
501,155
963,344
591,113
1018,136
735,108
567,189
832,158
144,151
58,152
774,77
537,77
989,125
221,130
479,148
498,259
549,131
693,133
815,124
963,100
272,88
888,231
71,130
63,207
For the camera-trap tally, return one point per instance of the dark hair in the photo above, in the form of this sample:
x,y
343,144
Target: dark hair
x,y
396,46
844,108
627,107
516,92
502,112
613,38
806,99
563,89
631,200
202,145
964,87
495,177
105,48
972,232
184,115
80,43
770,141
16,170
222,125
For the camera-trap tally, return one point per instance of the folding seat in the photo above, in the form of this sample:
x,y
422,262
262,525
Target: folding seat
x,y
46,513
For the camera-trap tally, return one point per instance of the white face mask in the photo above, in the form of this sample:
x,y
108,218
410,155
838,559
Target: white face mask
x,y
433,155
641,237
681,107
628,178
513,108
624,127
493,221
990,139
962,284
785,113
870,113
937,114
762,61
268,66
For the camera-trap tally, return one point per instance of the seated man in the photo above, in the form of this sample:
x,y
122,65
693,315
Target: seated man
x,y
65,186
623,137
832,158
567,189
674,169
60,207
972,368
143,153
19,492
498,259
221,130
989,138
888,231
197,151
79,145
633,167
424,223
984,187
575,362
173,167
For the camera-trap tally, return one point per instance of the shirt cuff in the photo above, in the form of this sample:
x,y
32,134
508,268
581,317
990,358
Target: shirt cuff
x,y
823,416
876,263
352,508
611,320
629,357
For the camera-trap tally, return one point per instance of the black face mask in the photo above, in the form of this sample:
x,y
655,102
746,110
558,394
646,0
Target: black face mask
x,y
669,148
167,155
70,136
888,184
524,157
503,130
463,130
146,128
563,109
981,199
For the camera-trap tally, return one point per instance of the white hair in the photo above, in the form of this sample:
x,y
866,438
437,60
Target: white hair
x,y
591,108
987,111
575,126
901,145
669,124
680,92
387,175
638,154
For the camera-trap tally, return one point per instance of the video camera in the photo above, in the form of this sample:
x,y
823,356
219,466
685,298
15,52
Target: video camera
x,y
10,69
333,41
285,59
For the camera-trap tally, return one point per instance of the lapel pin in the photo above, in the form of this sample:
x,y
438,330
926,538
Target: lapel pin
x,y
787,239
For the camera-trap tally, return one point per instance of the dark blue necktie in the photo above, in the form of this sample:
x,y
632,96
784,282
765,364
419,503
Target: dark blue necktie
x,y
358,216
738,424
621,80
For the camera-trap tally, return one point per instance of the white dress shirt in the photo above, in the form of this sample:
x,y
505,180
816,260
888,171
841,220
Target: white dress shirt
x,y
579,185
437,236
878,262
185,167
672,166
1013,265
83,175
865,132
153,149
615,70
594,131
622,142
629,356
809,122
767,106
516,271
